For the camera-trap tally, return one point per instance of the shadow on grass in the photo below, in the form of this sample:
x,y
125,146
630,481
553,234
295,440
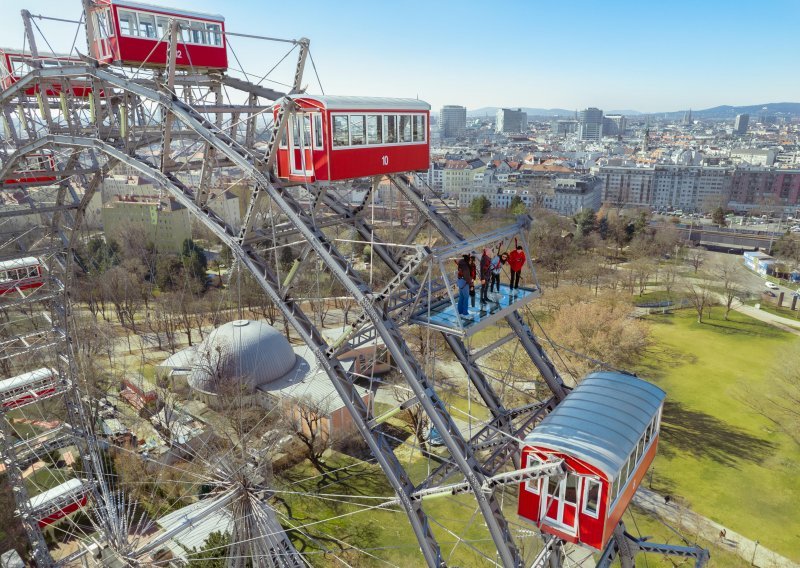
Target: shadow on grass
x,y
703,436
660,359
741,327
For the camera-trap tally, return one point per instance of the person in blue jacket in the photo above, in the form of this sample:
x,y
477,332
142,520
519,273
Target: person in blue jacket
x,y
464,282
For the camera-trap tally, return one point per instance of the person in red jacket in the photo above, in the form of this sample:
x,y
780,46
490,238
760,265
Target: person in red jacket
x,y
516,260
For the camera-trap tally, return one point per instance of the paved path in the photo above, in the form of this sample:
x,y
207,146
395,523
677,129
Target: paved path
x,y
781,322
689,523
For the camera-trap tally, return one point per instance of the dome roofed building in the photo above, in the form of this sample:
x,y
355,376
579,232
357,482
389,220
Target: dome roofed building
x,y
250,353
251,362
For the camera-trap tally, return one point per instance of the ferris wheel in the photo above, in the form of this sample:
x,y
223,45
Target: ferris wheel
x,y
126,447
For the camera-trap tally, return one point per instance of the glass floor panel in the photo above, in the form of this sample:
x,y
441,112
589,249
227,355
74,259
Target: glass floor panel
x,y
444,317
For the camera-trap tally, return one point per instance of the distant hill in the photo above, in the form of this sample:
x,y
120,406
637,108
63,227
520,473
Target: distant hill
x,y
719,112
492,111
728,111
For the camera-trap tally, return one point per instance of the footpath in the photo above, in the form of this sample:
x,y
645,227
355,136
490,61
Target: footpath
x,y
692,525
781,322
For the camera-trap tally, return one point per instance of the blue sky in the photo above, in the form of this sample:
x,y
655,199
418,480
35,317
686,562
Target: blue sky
x,y
643,55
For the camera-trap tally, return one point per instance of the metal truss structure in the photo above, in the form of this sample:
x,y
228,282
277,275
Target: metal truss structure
x,y
175,128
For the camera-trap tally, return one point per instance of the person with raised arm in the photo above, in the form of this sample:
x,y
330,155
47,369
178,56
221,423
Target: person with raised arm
x,y
516,260
495,267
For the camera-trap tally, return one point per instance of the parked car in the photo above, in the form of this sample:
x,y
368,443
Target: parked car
x,y
772,286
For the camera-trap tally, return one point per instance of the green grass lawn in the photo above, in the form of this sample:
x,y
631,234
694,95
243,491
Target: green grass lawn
x,y
47,478
717,455
384,533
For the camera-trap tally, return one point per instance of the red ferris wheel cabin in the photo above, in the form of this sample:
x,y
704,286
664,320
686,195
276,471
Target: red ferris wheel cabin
x,y
15,64
331,138
137,34
36,169
606,431
20,274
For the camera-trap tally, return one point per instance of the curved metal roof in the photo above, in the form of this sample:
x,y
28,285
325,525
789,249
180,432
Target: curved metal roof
x,y
364,103
25,378
251,352
19,262
164,10
601,420
54,493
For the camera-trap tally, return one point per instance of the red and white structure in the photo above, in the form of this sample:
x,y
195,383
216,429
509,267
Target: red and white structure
x,y
606,431
20,274
36,169
330,138
60,501
136,34
15,64
28,387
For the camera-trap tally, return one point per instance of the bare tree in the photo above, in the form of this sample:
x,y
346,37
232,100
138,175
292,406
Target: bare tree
x,y
165,416
416,416
345,305
696,257
161,324
669,275
726,273
699,296
641,269
312,428
599,329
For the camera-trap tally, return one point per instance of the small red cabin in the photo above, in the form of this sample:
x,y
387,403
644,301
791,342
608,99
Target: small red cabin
x,y
28,387
20,274
338,138
59,502
16,64
606,431
34,169
135,34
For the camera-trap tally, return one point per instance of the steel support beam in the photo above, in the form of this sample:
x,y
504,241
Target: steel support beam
x,y
381,449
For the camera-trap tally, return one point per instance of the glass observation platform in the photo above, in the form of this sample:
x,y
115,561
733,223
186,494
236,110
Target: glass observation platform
x,y
443,316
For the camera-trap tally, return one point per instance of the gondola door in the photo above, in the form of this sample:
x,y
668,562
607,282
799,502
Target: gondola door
x,y
301,159
560,503
103,31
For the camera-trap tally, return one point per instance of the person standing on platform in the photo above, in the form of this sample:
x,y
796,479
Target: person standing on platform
x,y
495,267
473,275
463,282
516,260
486,272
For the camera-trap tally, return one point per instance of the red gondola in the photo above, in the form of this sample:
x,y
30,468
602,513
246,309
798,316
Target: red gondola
x,y
34,169
28,387
606,431
60,501
130,33
16,64
20,274
338,138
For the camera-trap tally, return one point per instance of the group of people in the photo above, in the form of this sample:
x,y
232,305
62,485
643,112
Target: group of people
x,y
488,268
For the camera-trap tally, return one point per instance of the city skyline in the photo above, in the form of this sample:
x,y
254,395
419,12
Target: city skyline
x,y
623,55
